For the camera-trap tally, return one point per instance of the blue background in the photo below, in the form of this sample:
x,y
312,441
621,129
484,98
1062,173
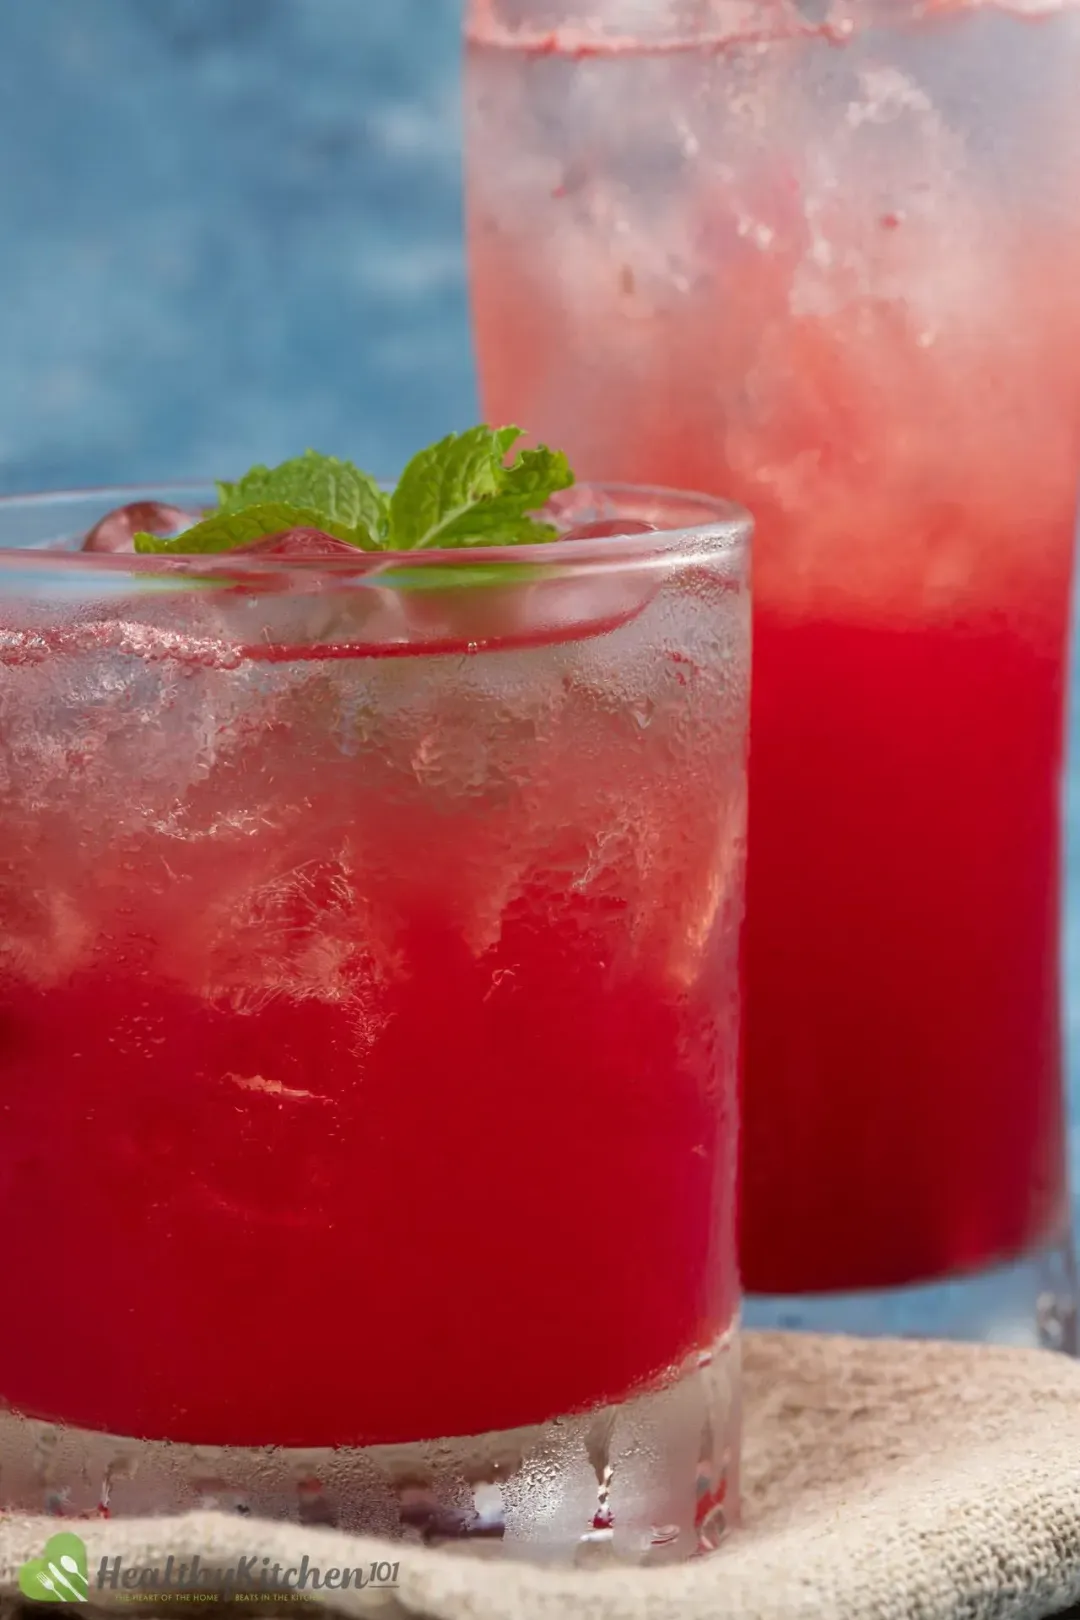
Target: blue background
x,y
230,229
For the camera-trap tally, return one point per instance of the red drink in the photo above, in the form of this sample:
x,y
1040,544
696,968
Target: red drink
x,y
909,1021
785,273
368,1014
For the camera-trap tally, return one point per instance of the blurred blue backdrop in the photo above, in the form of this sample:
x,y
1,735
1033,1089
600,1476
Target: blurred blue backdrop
x,y
228,229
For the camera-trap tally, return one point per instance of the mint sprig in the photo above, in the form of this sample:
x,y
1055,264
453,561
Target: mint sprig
x,y
459,492
336,489
227,530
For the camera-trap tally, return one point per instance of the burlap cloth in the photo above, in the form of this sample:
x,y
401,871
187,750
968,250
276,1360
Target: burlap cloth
x,y
881,1479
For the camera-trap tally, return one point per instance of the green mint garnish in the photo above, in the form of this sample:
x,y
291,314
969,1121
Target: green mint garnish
x,y
459,492
225,530
339,491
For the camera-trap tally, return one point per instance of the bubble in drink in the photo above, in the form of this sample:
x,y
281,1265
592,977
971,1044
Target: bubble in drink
x,y
118,528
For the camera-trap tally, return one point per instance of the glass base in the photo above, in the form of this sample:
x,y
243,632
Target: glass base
x,y
1030,1302
651,1480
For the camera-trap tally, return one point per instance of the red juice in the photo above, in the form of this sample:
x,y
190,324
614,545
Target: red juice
x,y
907,1012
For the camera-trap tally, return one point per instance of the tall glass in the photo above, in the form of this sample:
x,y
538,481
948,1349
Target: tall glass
x,y
827,259
369,1021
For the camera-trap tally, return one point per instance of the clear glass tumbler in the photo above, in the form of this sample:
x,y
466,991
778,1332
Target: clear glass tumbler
x,y
369,1022
825,257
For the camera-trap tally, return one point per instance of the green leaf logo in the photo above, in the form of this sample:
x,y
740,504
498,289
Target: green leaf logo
x,y
59,1576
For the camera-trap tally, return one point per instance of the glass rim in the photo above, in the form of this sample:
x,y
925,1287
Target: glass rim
x,y
726,529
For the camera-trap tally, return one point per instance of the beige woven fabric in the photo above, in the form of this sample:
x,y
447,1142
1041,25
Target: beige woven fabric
x,y
881,1480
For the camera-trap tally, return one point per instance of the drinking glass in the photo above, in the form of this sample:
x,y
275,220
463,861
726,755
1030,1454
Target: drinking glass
x,y
369,1022
825,257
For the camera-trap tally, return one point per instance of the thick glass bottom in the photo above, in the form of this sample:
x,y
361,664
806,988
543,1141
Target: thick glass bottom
x,y
650,1480
1032,1301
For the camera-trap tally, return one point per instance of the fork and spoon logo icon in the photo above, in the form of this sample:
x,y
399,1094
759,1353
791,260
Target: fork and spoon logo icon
x,y
60,1574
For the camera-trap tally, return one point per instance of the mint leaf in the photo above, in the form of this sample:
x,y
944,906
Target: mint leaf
x,y
336,489
460,492
226,530
442,483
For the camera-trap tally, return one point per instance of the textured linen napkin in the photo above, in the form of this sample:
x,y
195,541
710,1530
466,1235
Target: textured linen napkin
x,y
881,1479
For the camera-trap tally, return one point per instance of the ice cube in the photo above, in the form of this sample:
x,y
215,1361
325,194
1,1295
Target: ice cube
x,y
311,606
609,527
297,543
117,529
